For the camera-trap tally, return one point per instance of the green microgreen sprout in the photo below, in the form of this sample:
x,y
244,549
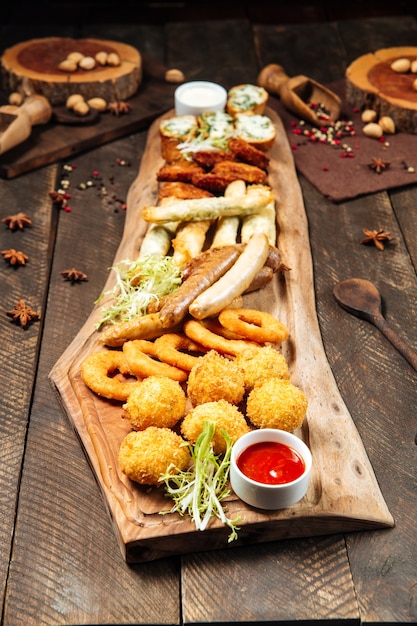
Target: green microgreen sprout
x,y
138,283
200,490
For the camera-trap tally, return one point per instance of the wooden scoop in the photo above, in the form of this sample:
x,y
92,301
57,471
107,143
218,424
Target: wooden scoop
x,y
361,298
297,94
16,121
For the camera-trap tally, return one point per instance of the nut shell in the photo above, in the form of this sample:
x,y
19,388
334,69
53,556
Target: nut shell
x,y
401,66
368,115
413,67
99,104
81,108
75,57
87,63
101,57
73,99
373,130
67,65
113,59
387,124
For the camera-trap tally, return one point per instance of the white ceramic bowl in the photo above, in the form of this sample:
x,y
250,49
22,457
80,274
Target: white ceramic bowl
x,y
260,494
199,96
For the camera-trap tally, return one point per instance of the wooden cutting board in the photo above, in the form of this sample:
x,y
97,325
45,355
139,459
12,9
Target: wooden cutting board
x,y
54,141
343,495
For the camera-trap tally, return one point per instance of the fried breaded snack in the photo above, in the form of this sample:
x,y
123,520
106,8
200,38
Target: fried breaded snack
x,y
157,401
182,191
181,171
276,404
147,454
226,416
260,365
240,171
208,158
244,151
215,377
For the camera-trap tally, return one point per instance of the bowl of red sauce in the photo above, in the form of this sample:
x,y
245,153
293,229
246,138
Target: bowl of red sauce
x,y
270,468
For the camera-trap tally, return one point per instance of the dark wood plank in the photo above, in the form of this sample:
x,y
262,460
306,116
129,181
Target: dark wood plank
x,y
66,557
20,347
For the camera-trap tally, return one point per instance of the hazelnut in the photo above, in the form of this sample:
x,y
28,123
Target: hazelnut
x,y
373,130
75,57
81,108
73,99
67,66
401,66
413,67
99,104
16,98
101,57
387,124
113,59
368,115
87,63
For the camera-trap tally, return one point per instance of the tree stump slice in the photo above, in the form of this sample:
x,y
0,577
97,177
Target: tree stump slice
x,y
32,67
371,83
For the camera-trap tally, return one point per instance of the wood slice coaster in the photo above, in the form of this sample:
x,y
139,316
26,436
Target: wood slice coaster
x,y
32,67
371,83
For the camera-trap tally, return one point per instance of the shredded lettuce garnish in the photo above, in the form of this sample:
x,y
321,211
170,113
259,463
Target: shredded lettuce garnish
x,y
200,490
138,283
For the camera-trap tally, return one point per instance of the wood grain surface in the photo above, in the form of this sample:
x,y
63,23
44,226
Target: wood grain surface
x,y
60,563
343,493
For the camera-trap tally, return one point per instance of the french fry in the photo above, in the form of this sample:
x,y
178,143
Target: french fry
x,y
227,227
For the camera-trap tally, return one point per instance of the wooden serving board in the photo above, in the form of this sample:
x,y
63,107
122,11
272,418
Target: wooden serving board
x,y
371,83
343,495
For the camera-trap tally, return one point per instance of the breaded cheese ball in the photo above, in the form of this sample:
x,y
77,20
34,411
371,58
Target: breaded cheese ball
x,y
213,378
226,416
147,454
157,401
259,365
276,404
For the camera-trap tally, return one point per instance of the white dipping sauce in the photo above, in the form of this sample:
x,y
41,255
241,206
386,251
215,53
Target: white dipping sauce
x,y
199,97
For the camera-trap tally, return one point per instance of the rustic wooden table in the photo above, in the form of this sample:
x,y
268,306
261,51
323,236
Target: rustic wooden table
x,y
59,559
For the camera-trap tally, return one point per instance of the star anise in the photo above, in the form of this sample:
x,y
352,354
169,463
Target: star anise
x,y
378,165
119,107
15,257
18,221
73,275
377,237
22,314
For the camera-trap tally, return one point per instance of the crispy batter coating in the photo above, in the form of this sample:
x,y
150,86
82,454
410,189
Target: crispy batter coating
x,y
276,404
182,191
180,171
158,401
209,158
243,151
147,454
215,377
260,365
240,171
100,370
226,416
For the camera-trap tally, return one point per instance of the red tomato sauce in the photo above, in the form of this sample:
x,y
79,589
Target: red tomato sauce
x,y
271,463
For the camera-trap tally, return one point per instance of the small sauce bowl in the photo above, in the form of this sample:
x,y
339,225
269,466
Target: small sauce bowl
x,y
198,97
270,468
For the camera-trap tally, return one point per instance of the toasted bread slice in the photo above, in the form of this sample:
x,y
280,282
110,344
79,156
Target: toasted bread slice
x,y
174,131
246,98
257,130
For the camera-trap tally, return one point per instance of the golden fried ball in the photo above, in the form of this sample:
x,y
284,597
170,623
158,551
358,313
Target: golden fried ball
x,y
157,401
215,377
226,416
259,365
276,404
147,454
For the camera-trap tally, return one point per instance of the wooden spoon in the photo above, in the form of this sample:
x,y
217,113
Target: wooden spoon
x,y
361,298
298,93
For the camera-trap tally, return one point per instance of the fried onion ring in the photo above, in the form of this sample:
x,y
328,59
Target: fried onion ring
x,y
142,359
168,349
97,372
198,331
259,326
